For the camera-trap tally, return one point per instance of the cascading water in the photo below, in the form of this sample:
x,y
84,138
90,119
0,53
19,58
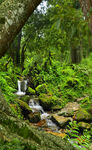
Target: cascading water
x,y
35,106
20,92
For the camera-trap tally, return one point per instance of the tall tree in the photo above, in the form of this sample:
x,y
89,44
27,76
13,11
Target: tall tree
x,y
13,15
86,6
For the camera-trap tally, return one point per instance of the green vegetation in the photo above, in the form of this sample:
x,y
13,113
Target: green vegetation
x,y
54,52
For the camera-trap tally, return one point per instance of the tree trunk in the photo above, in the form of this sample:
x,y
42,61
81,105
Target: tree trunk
x,y
18,49
76,55
86,6
13,15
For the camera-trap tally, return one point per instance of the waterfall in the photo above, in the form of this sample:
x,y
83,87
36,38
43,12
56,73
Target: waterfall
x,y
35,106
25,85
22,87
19,86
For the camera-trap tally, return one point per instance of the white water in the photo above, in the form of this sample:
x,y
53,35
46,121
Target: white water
x,y
19,92
35,106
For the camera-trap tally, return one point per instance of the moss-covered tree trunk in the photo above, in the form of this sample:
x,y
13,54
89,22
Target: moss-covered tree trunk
x,y
13,15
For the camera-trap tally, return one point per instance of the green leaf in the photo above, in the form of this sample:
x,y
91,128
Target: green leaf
x,y
58,23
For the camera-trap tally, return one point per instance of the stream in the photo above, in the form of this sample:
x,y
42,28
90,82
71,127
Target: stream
x,y
35,106
46,123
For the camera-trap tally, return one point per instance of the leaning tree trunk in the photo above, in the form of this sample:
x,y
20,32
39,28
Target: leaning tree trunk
x,y
13,15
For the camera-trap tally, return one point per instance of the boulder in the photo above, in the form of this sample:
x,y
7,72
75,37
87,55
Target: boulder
x,y
25,109
60,120
69,109
83,115
34,117
25,98
46,101
84,125
50,102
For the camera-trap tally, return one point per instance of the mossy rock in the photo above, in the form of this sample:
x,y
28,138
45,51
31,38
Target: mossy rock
x,y
34,117
25,109
31,91
46,101
50,102
84,125
60,120
83,114
26,98
41,89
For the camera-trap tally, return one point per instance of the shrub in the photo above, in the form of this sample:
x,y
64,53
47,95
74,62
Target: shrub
x,y
31,91
41,89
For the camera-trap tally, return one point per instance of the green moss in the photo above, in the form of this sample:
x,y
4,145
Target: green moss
x,y
48,101
84,125
23,105
83,114
31,91
41,89
25,98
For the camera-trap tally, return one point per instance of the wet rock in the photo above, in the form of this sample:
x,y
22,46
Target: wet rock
x,y
83,115
23,85
46,101
84,125
26,98
60,120
25,109
34,117
69,109
42,123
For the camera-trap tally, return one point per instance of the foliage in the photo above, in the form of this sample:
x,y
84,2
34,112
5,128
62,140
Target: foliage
x,y
15,144
6,88
74,136
31,91
50,40
41,88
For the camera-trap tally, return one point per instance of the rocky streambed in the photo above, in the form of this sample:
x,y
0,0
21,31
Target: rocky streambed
x,y
13,129
56,121
60,118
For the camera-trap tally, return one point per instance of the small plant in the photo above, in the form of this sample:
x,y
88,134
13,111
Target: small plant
x,y
79,141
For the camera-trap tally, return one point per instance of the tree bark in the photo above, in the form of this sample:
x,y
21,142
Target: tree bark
x,y
13,15
86,6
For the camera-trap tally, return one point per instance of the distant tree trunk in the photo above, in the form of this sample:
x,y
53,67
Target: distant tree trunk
x,y
86,6
76,55
13,15
23,56
18,49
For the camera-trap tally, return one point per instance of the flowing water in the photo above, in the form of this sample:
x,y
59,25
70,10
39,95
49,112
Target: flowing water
x,y
35,106
20,92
